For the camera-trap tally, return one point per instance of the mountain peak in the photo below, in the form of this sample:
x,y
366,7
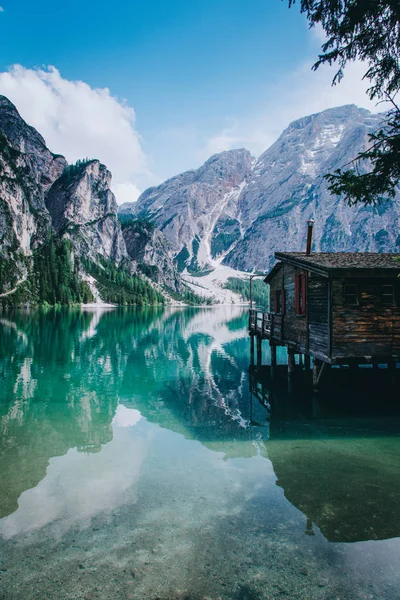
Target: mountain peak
x,y
6,104
190,207
347,112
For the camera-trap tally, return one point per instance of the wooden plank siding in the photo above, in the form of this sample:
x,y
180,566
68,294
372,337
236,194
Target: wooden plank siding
x,y
317,306
370,328
351,312
287,327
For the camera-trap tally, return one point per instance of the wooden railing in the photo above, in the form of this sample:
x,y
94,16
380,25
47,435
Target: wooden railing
x,y
260,322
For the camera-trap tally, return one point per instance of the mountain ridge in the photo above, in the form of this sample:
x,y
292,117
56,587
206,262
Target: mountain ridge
x,y
277,193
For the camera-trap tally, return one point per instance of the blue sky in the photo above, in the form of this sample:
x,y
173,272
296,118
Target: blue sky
x,y
201,76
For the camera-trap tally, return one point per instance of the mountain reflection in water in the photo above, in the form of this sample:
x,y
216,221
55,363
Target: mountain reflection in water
x,y
71,379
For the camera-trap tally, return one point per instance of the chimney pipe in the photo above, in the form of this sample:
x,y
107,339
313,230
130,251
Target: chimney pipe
x,y
310,225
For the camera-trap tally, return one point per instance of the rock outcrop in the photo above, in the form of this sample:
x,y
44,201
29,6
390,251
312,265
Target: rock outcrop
x,y
287,187
152,253
83,208
27,170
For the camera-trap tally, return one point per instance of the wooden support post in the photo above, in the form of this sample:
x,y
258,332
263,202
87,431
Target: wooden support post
x,y
307,362
316,372
259,351
273,354
291,362
392,371
318,369
252,349
315,407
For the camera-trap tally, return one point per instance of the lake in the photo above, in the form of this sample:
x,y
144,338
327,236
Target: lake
x,y
140,458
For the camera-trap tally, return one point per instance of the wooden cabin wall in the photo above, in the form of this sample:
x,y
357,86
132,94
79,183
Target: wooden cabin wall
x,y
295,331
370,328
317,306
289,327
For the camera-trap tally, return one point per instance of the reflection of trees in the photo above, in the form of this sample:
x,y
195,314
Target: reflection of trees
x,y
191,379
60,382
63,372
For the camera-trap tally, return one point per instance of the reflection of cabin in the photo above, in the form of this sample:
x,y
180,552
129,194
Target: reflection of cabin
x,y
341,500
340,478
334,307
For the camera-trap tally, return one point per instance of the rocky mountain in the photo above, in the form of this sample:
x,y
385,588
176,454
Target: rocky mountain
x,y
83,208
198,210
27,170
60,236
40,192
288,187
150,250
240,210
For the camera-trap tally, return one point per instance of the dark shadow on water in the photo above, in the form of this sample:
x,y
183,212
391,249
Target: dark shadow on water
x,y
336,453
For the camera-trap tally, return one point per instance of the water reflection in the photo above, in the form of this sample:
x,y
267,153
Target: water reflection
x,y
72,382
335,455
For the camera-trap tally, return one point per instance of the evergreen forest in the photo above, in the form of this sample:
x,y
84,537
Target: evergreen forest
x,y
242,287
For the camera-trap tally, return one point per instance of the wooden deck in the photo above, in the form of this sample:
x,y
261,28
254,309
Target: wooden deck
x,y
271,327
260,324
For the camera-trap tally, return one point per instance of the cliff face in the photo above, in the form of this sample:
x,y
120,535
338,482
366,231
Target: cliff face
x,y
241,210
40,193
83,208
44,166
27,169
197,210
152,254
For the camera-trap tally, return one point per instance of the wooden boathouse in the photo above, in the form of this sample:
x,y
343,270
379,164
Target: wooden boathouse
x,y
340,308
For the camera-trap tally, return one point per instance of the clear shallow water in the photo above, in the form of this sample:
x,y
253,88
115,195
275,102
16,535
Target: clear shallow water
x,y
136,463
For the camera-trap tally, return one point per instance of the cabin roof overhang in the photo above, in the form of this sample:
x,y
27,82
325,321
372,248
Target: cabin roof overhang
x,y
340,264
275,269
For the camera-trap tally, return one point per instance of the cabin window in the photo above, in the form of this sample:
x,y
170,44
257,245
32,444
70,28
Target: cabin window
x,y
388,295
300,294
350,294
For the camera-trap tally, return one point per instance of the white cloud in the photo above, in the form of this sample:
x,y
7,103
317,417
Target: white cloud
x,y
295,95
79,121
126,417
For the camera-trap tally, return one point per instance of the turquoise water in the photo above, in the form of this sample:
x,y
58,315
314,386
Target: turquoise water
x,y
140,459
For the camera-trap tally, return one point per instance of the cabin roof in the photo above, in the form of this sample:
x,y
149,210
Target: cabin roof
x,y
326,263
